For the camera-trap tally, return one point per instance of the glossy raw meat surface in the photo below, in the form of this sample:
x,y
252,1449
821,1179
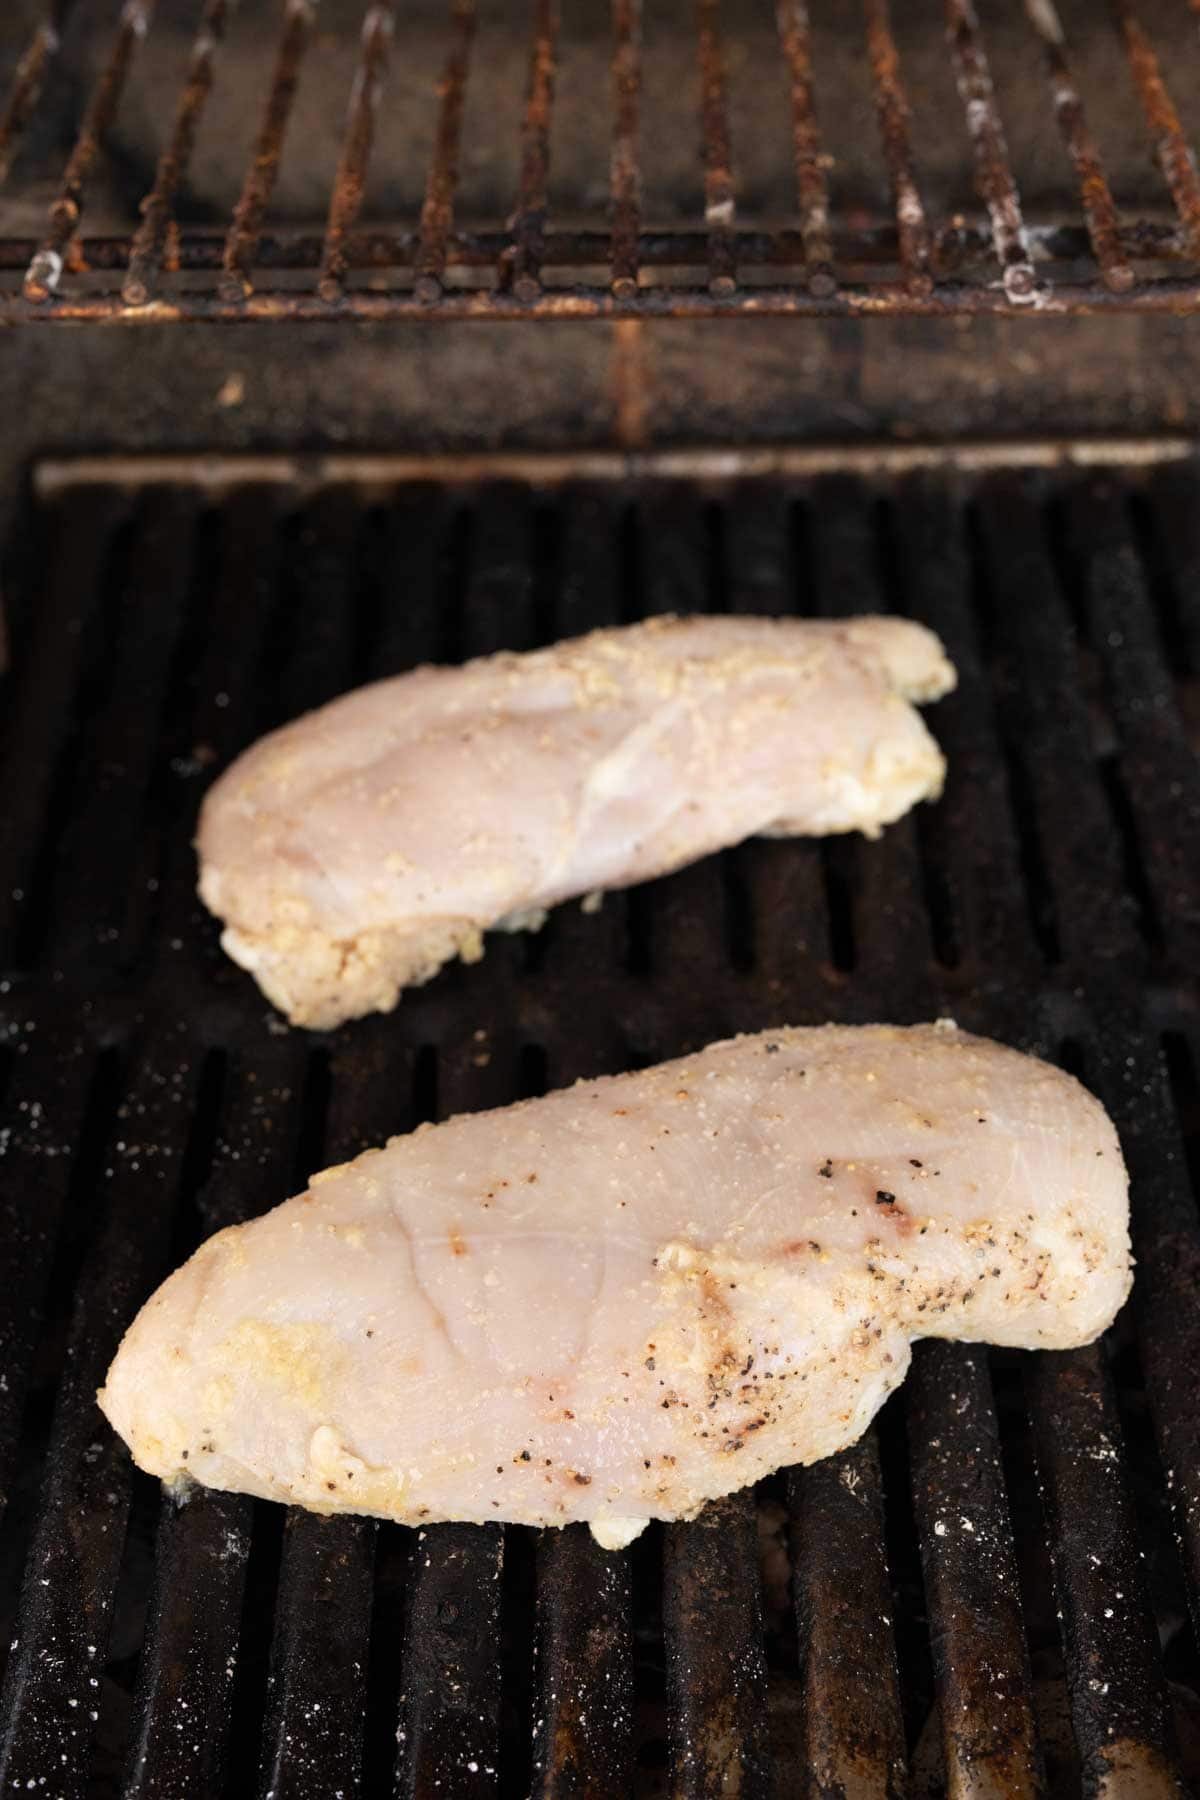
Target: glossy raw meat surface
x,y
354,852
630,1296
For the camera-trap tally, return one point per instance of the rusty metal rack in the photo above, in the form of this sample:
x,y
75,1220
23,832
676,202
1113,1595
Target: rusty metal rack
x,y
910,260
1017,1539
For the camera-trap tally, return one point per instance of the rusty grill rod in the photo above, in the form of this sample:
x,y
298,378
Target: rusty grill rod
x,y
812,186
521,263
45,269
146,250
891,102
994,177
955,250
351,179
1099,209
246,224
437,213
28,79
626,177
716,151
1172,151
1160,299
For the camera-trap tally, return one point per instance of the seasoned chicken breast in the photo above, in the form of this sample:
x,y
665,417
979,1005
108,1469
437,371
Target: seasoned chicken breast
x,y
621,1300
352,853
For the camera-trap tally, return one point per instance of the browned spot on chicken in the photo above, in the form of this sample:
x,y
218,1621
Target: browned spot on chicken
x,y
458,1244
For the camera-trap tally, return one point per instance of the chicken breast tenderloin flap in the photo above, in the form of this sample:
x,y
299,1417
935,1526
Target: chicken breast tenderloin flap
x,y
354,852
621,1300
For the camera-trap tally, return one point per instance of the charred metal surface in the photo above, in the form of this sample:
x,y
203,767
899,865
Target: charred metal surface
x,y
584,1721
716,1672
449,1731
854,1734
981,1661
150,1099
1118,1699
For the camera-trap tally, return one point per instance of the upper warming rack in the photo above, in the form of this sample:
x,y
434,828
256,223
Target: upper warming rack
x,y
808,244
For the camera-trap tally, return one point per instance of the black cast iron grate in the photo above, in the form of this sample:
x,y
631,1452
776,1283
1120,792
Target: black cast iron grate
x,y
1103,250
1018,1539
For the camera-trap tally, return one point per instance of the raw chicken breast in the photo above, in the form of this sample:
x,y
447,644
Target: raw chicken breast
x,y
618,1301
352,853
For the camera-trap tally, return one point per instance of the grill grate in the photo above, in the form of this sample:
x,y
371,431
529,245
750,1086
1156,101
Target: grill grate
x,y
819,256
225,1648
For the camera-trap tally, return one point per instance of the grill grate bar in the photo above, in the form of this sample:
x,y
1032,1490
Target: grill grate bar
x,y
521,264
51,1695
812,186
47,1101
322,1630
200,252
449,1731
1172,151
996,182
1114,1674
584,1728
323,1612
1154,759
150,240
1173,521
981,1662
187,1665
989,907
891,102
853,1730
89,906
1045,727
1028,589
937,276
716,1672
719,201
1094,192
29,78
626,175
241,242
1166,1243
193,1632
42,709
45,269
437,213
350,181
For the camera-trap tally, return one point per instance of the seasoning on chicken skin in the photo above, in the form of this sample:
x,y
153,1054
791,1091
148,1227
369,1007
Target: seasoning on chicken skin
x,y
625,1298
354,852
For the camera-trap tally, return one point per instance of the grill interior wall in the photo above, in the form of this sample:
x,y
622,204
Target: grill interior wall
x,y
1051,898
